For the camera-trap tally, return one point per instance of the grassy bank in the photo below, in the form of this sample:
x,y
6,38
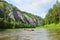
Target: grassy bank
x,y
50,26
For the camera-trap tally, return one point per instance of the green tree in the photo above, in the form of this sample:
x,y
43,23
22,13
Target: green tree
x,y
53,15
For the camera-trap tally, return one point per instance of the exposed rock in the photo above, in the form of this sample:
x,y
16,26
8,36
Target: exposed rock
x,y
24,17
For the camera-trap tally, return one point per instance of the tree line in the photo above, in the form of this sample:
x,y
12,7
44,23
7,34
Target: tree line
x,y
53,15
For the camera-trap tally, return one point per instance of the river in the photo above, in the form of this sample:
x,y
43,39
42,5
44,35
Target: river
x,y
37,34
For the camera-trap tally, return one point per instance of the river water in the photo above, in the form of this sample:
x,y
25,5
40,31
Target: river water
x,y
37,34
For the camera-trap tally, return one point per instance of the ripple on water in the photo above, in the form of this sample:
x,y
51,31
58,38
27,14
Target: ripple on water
x,y
37,34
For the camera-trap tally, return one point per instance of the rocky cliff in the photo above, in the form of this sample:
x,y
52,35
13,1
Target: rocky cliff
x,y
8,10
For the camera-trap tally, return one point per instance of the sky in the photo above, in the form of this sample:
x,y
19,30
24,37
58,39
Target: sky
x,y
36,7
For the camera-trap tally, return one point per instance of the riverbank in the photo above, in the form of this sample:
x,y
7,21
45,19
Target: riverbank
x,y
50,26
21,29
32,29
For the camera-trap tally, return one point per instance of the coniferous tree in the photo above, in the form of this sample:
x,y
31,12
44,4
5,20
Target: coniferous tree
x,y
53,15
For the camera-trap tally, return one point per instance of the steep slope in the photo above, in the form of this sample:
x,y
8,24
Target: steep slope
x,y
8,11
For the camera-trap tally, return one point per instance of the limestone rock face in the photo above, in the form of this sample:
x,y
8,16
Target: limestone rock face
x,y
24,18
19,16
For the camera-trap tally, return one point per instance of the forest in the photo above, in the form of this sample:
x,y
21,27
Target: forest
x,y
51,20
7,21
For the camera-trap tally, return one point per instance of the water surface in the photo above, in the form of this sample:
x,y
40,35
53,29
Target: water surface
x,y
37,34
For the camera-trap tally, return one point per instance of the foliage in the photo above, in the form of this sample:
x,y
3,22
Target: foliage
x,y
53,15
52,18
5,21
50,26
6,24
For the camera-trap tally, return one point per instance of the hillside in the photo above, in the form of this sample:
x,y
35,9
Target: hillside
x,y
12,17
52,18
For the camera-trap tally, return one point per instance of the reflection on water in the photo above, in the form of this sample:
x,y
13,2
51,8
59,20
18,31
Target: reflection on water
x,y
37,34
54,34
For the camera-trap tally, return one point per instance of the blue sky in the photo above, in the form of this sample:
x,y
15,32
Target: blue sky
x,y
36,7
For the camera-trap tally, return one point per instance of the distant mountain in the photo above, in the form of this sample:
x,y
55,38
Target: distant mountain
x,y
8,11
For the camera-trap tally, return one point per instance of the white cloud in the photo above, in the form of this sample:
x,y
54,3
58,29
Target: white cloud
x,y
33,6
46,1
16,1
